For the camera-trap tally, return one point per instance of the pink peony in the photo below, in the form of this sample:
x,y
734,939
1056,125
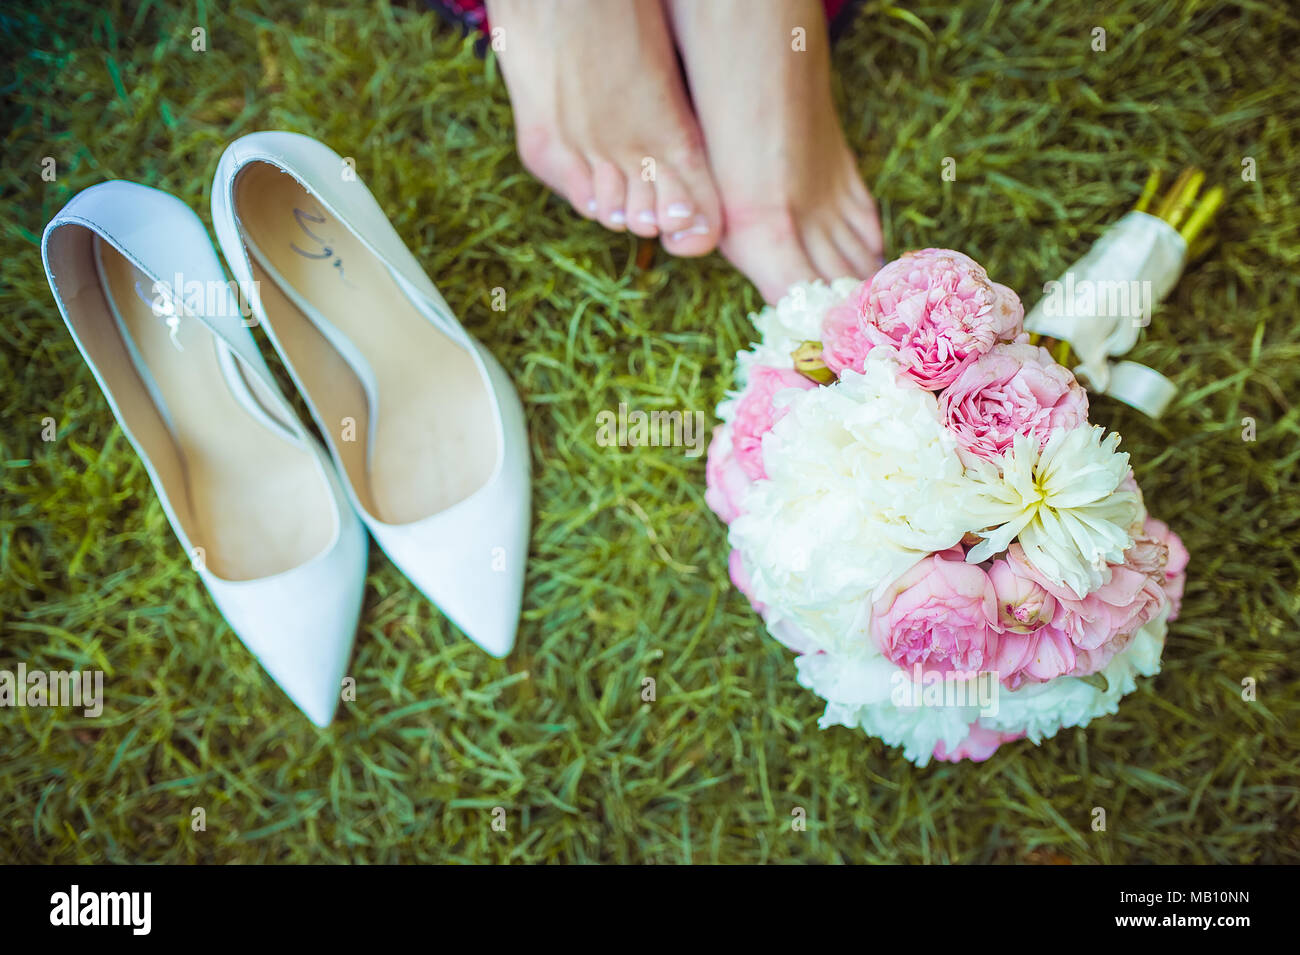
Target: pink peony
x,y
1011,390
940,614
724,479
844,342
1129,599
977,747
937,309
756,413
1132,596
1008,315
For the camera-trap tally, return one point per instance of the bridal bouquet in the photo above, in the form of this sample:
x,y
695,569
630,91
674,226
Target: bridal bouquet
x,y
919,508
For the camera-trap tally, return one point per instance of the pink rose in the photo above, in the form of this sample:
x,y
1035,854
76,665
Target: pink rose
x,y
941,614
1138,590
1009,391
1023,604
938,310
1035,657
977,747
1084,634
756,413
1175,566
1094,661
1130,484
844,342
725,481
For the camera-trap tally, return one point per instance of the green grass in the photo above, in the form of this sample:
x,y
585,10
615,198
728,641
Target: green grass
x,y
627,575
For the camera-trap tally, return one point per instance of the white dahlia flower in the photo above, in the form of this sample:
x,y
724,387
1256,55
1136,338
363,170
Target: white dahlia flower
x,y
1063,503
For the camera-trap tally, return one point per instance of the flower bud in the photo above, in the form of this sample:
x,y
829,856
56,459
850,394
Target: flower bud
x,y
1023,604
808,362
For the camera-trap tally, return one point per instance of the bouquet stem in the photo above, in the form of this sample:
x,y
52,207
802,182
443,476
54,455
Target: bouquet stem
x,y
1178,202
1183,207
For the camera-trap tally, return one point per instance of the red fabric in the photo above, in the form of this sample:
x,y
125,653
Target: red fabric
x,y
833,8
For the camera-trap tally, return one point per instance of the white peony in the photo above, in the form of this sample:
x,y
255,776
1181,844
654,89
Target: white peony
x,y
1062,503
863,481
916,729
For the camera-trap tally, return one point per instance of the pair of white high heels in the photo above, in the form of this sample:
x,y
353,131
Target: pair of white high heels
x,y
426,441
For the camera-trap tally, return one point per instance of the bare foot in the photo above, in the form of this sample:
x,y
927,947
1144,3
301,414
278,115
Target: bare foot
x,y
602,116
793,201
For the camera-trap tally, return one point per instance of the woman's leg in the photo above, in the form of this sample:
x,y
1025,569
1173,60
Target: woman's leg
x,y
603,118
793,201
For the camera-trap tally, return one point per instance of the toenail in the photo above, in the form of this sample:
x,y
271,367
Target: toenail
x,y
679,210
591,205
701,227
617,217
646,216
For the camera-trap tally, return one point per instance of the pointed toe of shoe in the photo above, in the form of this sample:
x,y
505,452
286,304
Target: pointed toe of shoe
x,y
479,582
301,624
484,603
312,672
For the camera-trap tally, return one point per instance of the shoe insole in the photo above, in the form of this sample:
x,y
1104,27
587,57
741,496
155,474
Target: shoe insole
x,y
256,504
434,433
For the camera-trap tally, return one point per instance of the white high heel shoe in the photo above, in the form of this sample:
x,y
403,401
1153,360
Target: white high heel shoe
x,y
425,426
251,496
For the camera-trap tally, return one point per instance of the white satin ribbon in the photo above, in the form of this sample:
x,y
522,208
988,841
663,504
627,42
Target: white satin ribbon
x,y
1102,302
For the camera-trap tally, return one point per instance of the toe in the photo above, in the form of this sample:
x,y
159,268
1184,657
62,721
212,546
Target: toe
x,y
562,169
773,259
581,192
826,256
674,207
690,219
575,183
864,261
861,214
611,195
642,216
